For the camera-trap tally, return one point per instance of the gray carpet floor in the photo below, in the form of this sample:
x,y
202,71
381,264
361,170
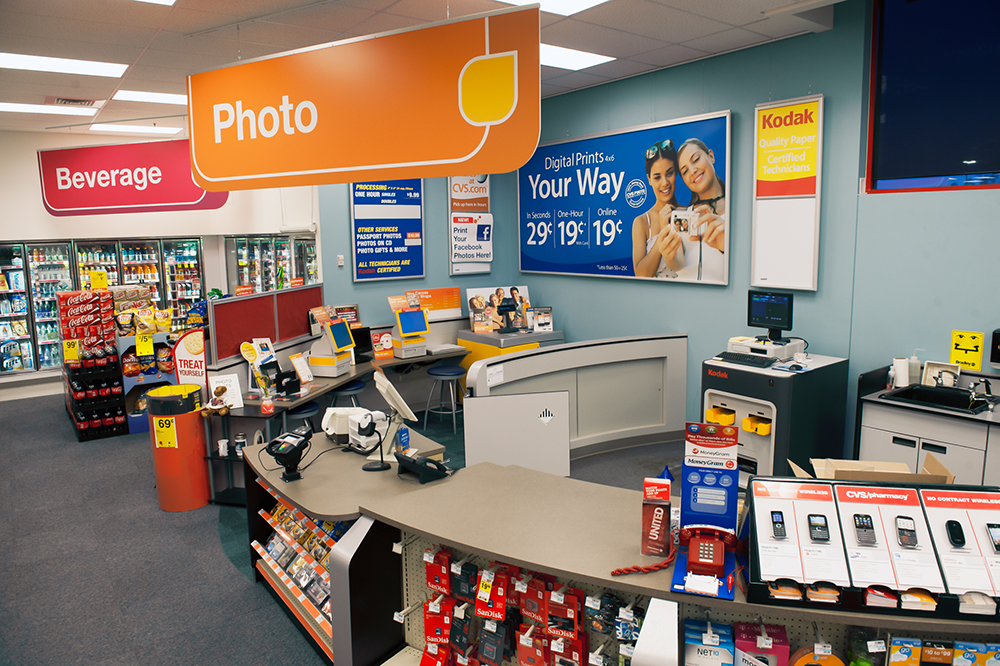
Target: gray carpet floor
x,y
93,572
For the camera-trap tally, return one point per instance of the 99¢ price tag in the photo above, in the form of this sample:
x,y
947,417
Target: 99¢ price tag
x,y
165,431
144,344
71,350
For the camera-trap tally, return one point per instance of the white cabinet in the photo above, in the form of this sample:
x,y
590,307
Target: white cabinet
x,y
897,434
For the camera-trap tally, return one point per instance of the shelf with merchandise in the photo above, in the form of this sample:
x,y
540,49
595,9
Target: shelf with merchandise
x,y
317,624
299,548
98,263
142,261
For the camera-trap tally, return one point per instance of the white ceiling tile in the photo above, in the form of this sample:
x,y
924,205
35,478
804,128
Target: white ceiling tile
x,y
670,55
781,25
238,9
382,22
57,29
727,40
333,18
650,19
281,37
549,90
573,34
374,5
617,69
107,52
430,11
577,80
727,11
125,14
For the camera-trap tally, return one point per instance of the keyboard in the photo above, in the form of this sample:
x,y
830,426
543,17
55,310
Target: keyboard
x,y
752,360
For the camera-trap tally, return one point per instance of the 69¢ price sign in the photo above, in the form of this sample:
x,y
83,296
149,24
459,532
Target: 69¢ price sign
x,y
165,432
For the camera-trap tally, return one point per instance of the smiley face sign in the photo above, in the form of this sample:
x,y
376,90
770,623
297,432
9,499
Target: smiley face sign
x,y
967,349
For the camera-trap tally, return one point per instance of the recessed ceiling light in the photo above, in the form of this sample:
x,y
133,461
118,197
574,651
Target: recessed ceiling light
x,y
61,65
557,56
168,3
561,7
160,98
134,129
47,108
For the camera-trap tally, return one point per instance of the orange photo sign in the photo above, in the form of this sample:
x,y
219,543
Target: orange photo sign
x,y
452,98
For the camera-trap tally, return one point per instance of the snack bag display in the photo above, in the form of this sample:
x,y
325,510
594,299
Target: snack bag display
x,y
144,321
161,318
125,324
197,315
164,358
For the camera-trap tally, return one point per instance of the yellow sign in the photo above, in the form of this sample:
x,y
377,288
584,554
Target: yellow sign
x,y
967,349
71,350
99,279
144,344
165,432
788,144
248,351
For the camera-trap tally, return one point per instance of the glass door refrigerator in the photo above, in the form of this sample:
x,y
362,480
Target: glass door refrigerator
x,y
16,349
237,264
304,262
48,273
182,268
97,255
268,265
141,265
282,262
253,249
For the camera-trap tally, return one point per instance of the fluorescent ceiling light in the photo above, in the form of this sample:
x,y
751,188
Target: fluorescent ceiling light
x,y
557,56
159,98
968,161
61,65
134,129
561,7
48,108
168,3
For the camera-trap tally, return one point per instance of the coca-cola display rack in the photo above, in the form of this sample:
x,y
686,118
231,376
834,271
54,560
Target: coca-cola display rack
x,y
95,397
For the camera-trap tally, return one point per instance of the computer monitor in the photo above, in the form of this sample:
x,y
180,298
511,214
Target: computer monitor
x,y
340,336
391,396
363,349
412,323
771,310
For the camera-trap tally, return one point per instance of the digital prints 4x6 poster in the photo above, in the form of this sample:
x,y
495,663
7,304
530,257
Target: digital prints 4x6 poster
x,y
646,202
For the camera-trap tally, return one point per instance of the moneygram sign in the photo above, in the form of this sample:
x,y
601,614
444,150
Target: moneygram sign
x,y
451,98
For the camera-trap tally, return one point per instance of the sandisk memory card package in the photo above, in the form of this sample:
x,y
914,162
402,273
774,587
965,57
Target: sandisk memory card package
x,y
438,575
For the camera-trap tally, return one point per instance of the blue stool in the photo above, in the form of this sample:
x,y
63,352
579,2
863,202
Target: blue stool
x,y
447,376
349,390
305,412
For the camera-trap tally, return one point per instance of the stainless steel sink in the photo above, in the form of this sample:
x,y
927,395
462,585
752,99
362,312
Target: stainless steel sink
x,y
941,397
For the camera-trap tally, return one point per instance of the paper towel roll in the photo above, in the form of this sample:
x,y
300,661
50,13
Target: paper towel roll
x,y
901,365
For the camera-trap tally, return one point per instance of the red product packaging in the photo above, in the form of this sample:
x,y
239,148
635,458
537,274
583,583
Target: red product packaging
x,y
438,574
491,595
655,518
570,651
533,601
436,656
82,320
105,296
513,573
71,298
437,620
77,309
562,611
471,659
532,646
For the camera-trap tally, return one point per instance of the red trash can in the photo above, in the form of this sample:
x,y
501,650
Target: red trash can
x,y
178,437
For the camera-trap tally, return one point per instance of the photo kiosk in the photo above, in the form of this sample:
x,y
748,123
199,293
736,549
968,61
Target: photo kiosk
x,y
330,356
399,411
408,339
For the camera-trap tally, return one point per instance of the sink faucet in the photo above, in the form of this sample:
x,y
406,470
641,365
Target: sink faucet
x,y
938,381
982,381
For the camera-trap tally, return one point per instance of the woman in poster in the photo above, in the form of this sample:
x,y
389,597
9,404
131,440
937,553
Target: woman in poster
x,y
701,256
653,238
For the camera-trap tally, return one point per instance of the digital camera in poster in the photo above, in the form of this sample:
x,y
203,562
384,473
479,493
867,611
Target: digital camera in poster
x,y
646,202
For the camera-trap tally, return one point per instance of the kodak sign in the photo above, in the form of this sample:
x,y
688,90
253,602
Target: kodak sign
x,y
446,99
788,149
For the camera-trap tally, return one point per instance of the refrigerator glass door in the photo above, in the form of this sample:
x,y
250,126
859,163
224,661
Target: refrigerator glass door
x,y
183,279
256,268
305,260
141,265
16,350
49,273
283,262
267,264
96,255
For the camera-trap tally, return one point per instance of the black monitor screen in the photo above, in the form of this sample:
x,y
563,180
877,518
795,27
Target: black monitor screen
x,y
362,340
770,310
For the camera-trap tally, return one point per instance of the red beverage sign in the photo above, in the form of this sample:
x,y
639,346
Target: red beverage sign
x,y
125,178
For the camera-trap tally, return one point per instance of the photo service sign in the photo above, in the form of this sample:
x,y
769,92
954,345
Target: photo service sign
x,y
648,202
387,226
126,178
460,96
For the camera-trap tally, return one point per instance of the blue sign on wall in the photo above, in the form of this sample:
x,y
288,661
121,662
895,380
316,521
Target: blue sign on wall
x,y
648,203
387,224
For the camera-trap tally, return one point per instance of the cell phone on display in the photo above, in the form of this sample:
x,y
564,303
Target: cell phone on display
x,y
906,532
994,531
955,533
778,525
864,529
819,529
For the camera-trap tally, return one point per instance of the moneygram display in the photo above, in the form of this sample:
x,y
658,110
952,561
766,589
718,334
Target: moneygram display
x,y
649,202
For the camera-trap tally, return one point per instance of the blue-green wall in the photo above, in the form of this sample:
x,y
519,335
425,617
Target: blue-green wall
x,y
896,271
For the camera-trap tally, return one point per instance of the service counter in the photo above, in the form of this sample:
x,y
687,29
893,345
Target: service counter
x,y
575,530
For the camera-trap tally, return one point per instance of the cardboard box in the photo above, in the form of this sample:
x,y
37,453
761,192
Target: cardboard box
x,y
933,472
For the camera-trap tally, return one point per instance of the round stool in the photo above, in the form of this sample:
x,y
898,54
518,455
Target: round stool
x,y
349,390
447,376
305,412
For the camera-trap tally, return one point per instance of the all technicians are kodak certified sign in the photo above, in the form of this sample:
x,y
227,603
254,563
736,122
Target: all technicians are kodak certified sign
x,y
456,97
126,178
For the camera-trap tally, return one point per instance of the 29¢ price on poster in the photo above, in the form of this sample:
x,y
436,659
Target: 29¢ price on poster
x,y
165,432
